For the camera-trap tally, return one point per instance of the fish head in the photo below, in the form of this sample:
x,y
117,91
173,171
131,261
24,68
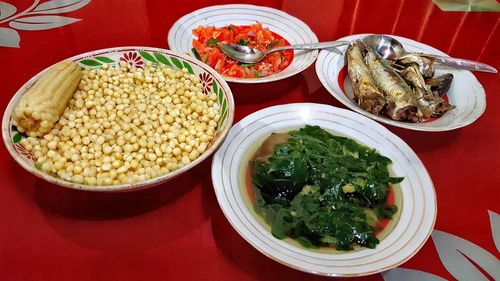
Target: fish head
x,y
440,84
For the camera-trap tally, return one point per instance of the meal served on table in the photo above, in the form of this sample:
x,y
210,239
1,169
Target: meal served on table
x,y
321,189
116,124
403,90
206,47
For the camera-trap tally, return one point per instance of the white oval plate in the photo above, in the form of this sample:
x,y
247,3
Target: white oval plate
x,y
295,31
418,200
466,93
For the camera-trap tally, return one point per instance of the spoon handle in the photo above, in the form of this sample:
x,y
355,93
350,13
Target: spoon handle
x,y
464,64
311,46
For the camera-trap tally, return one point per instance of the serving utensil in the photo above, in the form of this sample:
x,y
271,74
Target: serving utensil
x,y
247,54
390,48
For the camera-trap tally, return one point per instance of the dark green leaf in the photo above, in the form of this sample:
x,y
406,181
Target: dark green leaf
x,y
148,57
17,138
224,105
188,67
281,227
13,128
323,190
161,58
385,211
104,59
196,54
243,42
396,179
220,95
90,62
176,62
212,42
216,91
221,119
304,241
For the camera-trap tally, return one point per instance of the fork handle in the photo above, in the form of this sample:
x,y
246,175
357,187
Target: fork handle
x,y
310,46
464,64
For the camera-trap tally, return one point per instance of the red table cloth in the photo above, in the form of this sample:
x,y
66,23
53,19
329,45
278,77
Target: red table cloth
x,y
176,231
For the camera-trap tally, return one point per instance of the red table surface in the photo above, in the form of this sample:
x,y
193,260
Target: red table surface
x,y
177,230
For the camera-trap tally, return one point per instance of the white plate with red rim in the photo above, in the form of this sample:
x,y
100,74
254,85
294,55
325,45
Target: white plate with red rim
x,y
466,93
295,31
415,195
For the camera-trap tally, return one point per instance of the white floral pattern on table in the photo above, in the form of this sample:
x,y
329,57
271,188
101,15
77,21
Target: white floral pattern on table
x,y
39,16
495,228
456,255
406,274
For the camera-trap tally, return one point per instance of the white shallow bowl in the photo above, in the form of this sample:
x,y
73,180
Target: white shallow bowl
x,y
294,30
406,235
466,93
212,83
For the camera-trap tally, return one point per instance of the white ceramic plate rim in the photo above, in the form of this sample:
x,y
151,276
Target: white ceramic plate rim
x,y
121,187
338,94
249,228
275,77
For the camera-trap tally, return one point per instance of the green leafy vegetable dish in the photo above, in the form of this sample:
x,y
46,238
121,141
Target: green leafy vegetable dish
x,y
322,190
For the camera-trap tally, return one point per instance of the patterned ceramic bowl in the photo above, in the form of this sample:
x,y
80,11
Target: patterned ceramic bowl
x,y
294,30
138,56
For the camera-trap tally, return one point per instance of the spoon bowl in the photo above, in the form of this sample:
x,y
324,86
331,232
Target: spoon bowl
x,y
242,53
385,46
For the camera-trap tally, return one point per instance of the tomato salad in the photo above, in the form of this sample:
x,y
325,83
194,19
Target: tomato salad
x,y
206,47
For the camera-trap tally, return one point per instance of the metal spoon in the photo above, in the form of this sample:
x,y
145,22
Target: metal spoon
x,y
390,48
247,54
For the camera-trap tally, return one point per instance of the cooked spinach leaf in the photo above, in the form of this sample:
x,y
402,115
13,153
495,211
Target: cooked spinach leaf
x,y
323,190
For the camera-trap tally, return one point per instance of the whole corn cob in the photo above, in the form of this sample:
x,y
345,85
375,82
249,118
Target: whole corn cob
x,y
41,106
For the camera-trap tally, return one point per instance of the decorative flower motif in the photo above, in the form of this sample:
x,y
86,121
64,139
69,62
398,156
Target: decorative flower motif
x,y
39,16
206,82
133,59
24,152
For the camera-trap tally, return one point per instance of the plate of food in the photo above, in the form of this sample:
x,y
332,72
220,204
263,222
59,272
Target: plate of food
x,y
413,93
324,190
118,119
201,33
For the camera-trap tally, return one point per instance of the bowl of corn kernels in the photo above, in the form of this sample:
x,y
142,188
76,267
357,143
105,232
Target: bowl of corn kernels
x,y
118,119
